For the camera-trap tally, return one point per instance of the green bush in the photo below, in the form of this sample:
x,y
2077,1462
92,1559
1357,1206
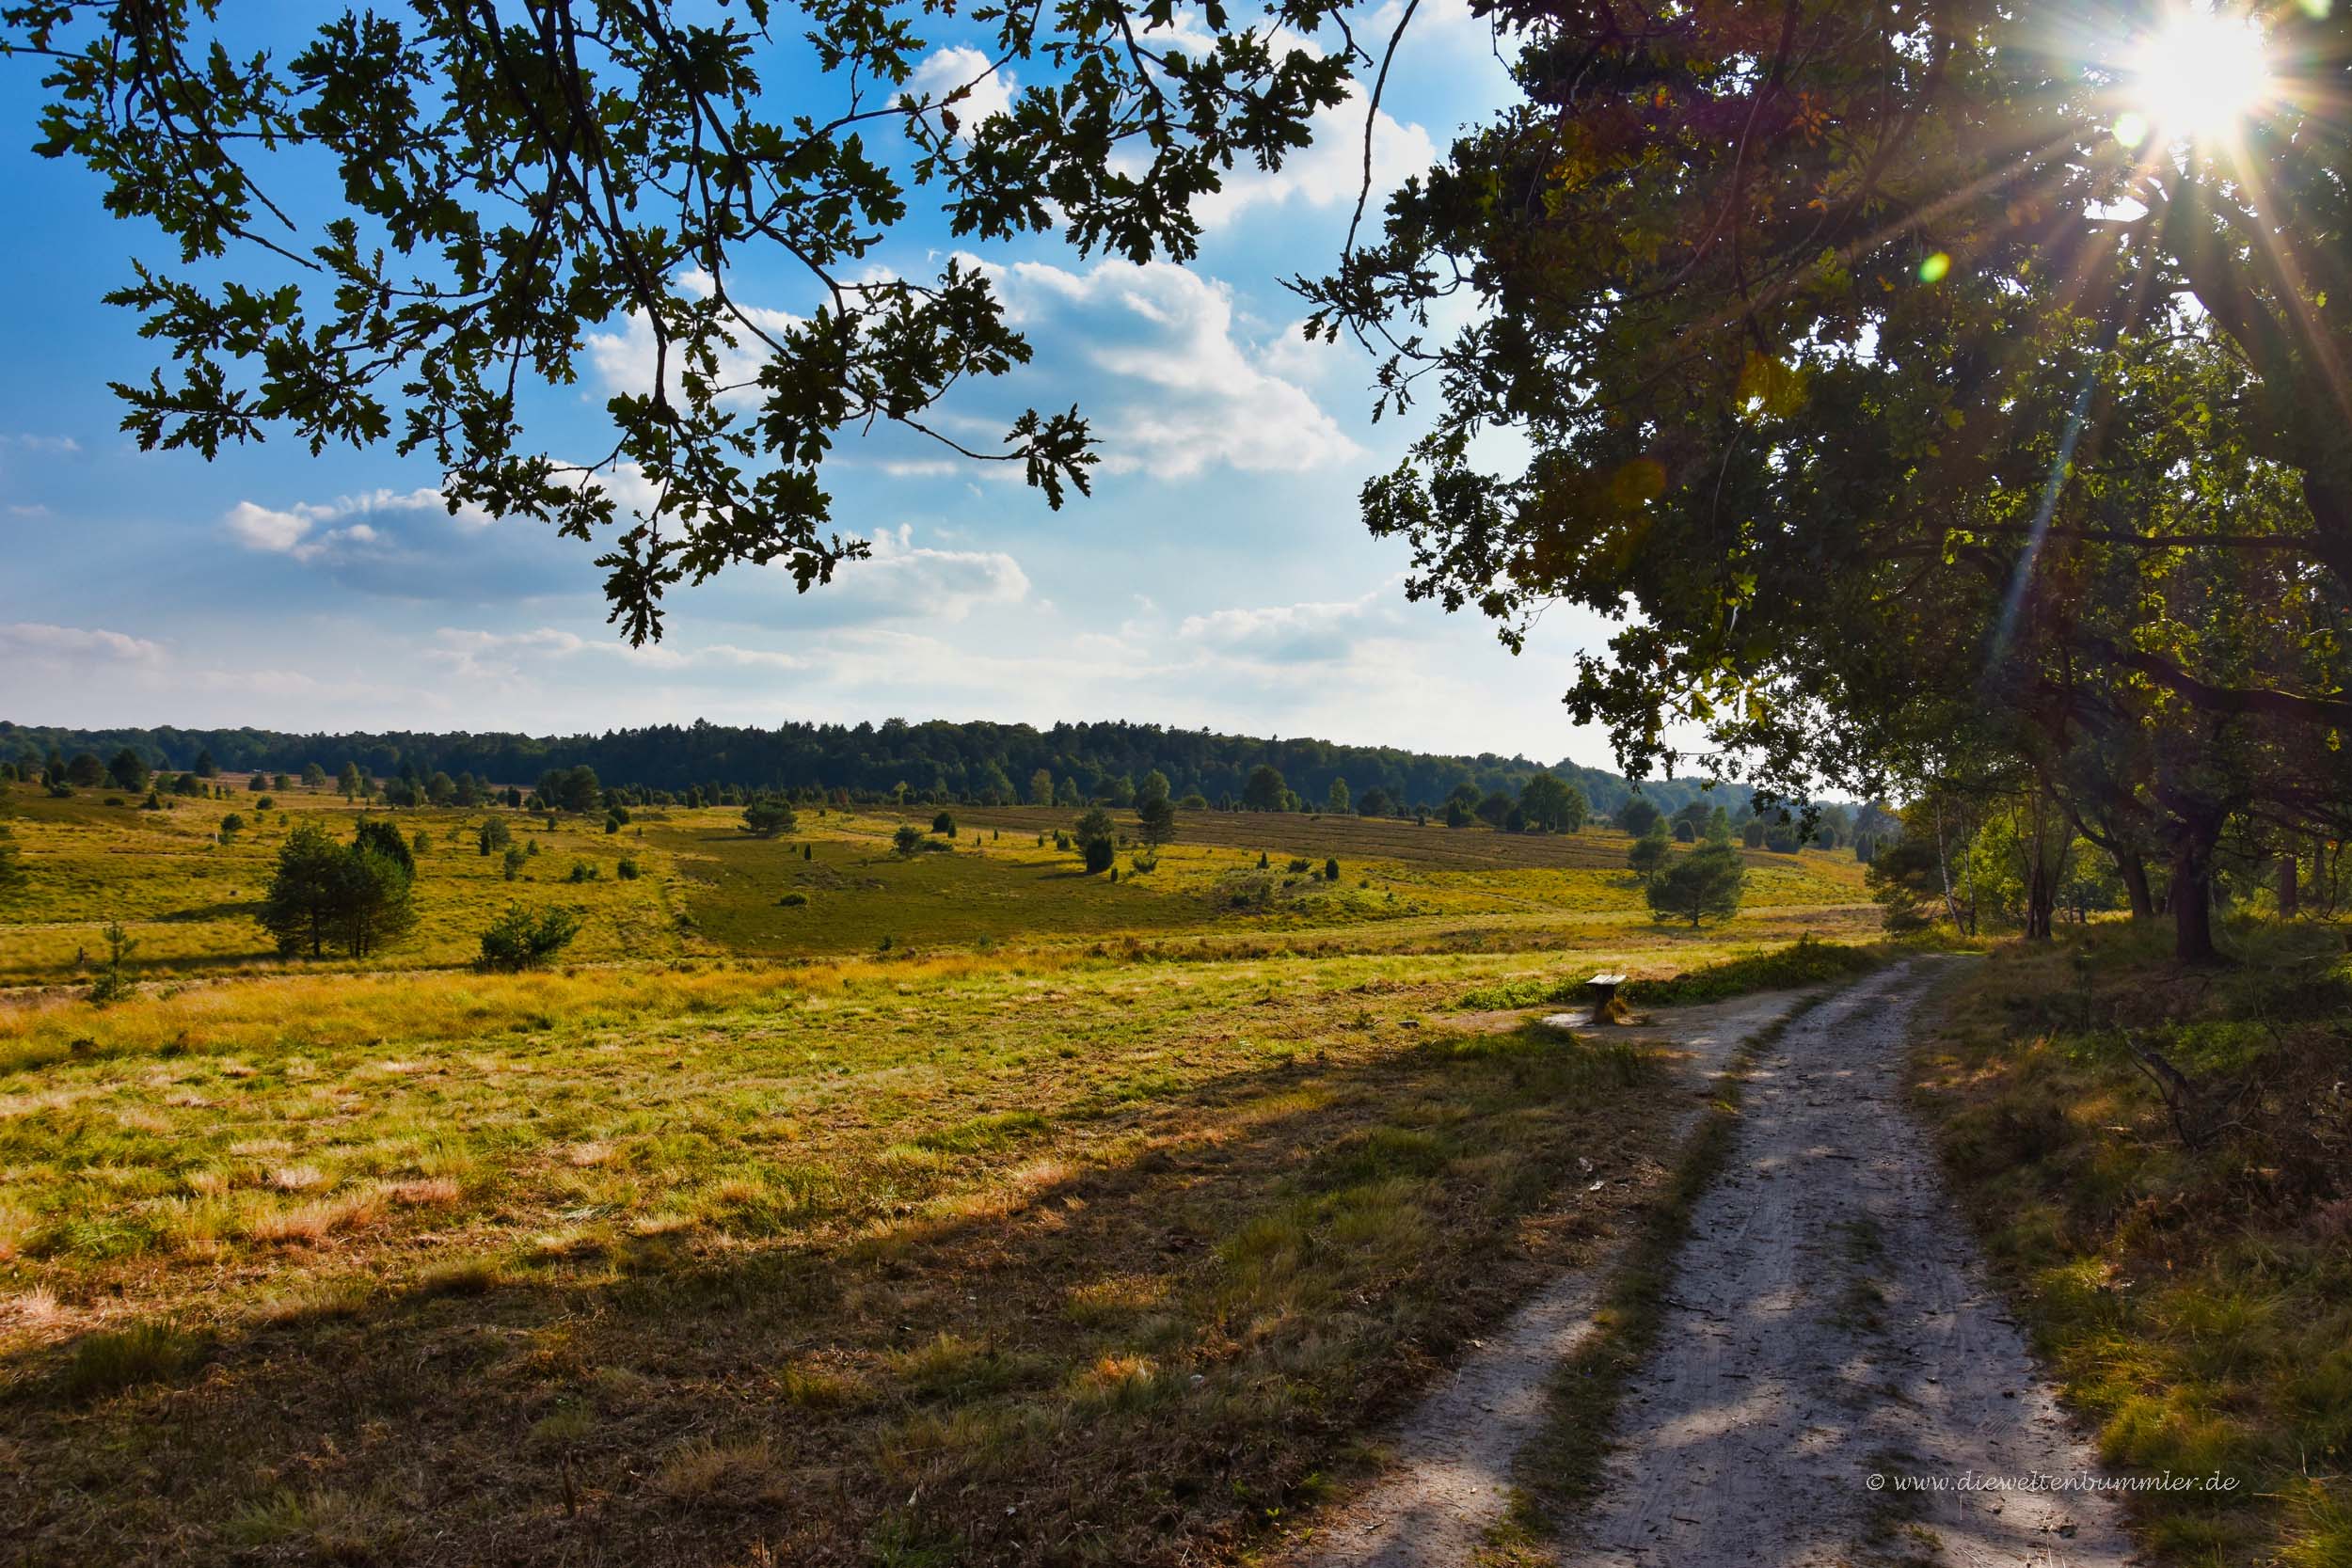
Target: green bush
x,y
627,870
519,940
793,900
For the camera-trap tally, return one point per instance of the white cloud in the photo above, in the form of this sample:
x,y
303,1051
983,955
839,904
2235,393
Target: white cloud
x,y
945,70
1329,172
79,644
295,530
1291,633
625,360
53,444
904,580
1206,396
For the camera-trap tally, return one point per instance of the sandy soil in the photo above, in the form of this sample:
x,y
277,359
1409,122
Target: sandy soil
x,y
1451,1474
1832,1322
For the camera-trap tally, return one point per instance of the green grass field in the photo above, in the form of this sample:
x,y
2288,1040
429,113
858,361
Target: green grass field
x,y
1084,1223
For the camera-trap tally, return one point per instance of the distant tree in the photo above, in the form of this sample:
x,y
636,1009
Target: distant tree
x,y
512,864
440,788
1705,884
113,983
187,785
1684,832
420,844
578,790
943,822
1120,791
1551,805
768,816
1042,787
1154,785
1265,791
300,909
256,783
281,782
1337,799
1718,826
1066,792
1098,839
349,783
1638,815
493,835
1495,808
129,769
85,771
204,766
231,826
1332,869
314,776
1648,852
519,939
1374,802
1751,832
1156,819
1459,814
468,793
908,839
1194,802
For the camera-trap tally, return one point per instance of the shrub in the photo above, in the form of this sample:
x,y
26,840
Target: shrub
x,y
1300,862
583,871
266,803
767,818
944,823
492,836
793,900
1332,869
1706,883
512,863
1145,862
113,983
908,839
520,940
627,870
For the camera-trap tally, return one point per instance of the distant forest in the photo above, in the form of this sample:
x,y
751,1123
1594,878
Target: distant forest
x,y
936,760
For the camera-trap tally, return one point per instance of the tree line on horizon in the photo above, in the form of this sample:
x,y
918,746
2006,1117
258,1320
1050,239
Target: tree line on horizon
x,y
977,763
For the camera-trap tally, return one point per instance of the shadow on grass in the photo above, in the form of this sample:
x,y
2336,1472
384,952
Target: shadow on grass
x,y
1140,1340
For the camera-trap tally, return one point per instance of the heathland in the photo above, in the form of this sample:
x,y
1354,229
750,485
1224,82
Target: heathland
x,y
826,1201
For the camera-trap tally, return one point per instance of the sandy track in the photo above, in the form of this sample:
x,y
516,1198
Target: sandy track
x,y
1831,1321
1451,1475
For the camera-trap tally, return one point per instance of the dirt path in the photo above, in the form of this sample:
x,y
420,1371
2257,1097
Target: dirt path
x,y
1453,1471
1832,1322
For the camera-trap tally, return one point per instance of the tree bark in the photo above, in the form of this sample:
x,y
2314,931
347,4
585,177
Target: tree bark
x,y
2288,906
2192,893
2133,868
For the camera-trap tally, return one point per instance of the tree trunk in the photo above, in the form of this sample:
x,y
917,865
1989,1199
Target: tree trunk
x,y
2039,926
2132,867
2288,907
2192,896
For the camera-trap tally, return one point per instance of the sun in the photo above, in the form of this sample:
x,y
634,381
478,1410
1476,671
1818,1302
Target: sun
x,y
2197,77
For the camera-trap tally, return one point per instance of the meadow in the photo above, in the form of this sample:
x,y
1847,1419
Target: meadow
x,y
1085,1222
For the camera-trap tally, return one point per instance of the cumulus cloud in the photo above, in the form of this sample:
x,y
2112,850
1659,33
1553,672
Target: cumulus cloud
x,y
1291,633
625,360
954,67
298,530
1206,394
79,644
911,581
1329,172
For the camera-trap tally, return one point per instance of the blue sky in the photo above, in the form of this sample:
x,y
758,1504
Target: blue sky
x,y
1220,575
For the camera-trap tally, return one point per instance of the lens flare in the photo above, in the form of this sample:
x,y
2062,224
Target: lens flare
x,y
2198,76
